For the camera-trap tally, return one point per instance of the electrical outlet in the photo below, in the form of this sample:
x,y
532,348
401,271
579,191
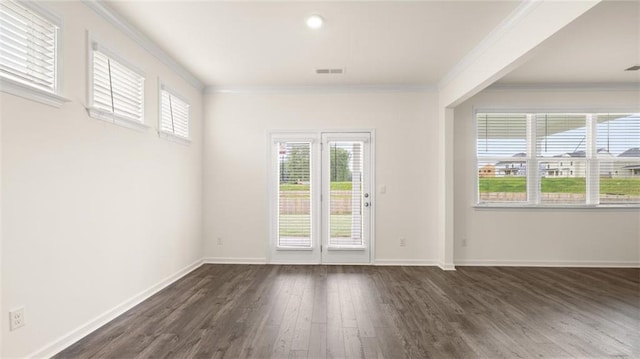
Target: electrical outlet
x,y
464,242
403,242
219,241
16,318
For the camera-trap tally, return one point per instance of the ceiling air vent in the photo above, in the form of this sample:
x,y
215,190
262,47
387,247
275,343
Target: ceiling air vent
x,y
330,71
633,68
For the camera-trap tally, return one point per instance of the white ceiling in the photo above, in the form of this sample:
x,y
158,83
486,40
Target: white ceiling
x,y
267,43
595,48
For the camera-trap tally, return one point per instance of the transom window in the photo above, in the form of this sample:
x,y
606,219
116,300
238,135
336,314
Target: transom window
x,y
174,114
558,159
28,46
116,88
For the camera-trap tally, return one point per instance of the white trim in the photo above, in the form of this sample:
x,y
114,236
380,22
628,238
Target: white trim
x,y
556,110
43,11
447,266
279,254
174,138
141,39
57,20
554,87
407,262
31,93
283,248
534,159
94,43
346,248
73,336
234,260
547,263
521,205
505,26
350,254
306,89
28,91
163,86
117,120
170,136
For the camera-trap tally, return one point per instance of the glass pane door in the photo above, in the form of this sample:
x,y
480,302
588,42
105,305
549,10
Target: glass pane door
x,y
346,197
345,193
319,197
294,194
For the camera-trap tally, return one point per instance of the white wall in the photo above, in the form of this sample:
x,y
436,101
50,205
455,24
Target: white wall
x,y
235,166
93,213
538,236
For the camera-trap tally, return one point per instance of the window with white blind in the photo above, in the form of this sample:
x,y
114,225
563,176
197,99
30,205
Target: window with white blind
x,y
116,89
174,114
294,229
29,36
558,159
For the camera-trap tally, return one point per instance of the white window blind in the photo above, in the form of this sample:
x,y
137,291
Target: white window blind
x,y
174,114
294,194
28,46
502,157
558,159
346,164
618,143
116,88
561,139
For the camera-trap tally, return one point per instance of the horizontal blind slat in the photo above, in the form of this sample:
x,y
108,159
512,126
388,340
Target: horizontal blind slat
x,y
27,46
118,88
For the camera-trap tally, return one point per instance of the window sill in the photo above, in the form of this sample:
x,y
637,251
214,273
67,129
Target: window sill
x,y
31,93
115,119
559,206
174,138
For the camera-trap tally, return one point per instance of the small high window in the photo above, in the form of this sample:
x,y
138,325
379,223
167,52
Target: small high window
x,y
29,51
174,114
116,89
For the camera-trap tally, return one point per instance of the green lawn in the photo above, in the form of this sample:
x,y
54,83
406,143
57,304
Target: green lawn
x,y
335,186
340,225
620,186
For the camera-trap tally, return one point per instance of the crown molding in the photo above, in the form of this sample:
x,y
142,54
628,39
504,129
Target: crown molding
x,y
579,87
112,17
303,89
497,33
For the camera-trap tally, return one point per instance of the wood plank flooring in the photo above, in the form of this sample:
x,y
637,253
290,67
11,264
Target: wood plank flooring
x,y
260,311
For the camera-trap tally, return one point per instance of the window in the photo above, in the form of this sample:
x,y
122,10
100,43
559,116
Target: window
x,y
501,150
29,37
116,89
294,195
558,159
174,114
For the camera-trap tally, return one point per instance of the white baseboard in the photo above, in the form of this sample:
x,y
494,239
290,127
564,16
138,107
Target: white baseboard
x,y
378,262
65,341
233,260
546,263
406,262
447,266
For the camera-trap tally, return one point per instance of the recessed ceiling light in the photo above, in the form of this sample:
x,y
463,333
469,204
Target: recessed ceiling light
x,y
633,68
315,21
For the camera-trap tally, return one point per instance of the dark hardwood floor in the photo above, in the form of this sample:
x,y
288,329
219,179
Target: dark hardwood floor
x,y
258,311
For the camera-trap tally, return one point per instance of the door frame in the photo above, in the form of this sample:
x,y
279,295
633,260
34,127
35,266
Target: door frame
x,y
272,201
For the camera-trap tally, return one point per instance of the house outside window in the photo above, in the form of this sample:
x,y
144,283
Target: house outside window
x,y
558,159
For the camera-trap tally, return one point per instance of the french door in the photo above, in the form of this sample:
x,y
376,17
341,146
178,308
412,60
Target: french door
x,y
320,197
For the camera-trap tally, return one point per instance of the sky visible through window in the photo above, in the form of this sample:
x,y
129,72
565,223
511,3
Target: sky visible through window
x,y
614,134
